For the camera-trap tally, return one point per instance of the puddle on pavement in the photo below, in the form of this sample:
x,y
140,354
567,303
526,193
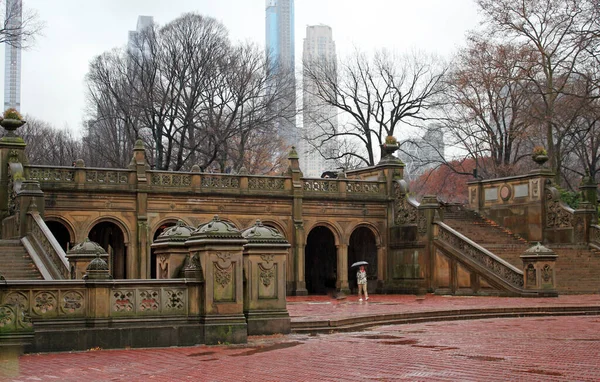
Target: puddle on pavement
x,y
283,345
379,337
399,342
200,354
415,331
208,359
436,348
483,358
543,372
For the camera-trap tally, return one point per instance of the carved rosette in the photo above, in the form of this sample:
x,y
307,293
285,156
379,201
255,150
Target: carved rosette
x,y
149,300
8,317
72,302
175,300
44,302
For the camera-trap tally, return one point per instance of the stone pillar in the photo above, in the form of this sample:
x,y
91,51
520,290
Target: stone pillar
x,y
140,267
538,270
29,197
99,283
12,150
265,258
342,269
171,251
219,246
298,284
81,255
589,191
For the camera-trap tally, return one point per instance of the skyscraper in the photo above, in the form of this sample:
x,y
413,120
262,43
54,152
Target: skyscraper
x,y
319,119
12,54
280,48
134,44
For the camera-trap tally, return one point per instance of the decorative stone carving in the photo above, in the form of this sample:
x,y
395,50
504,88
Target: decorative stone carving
x,y
557,216
72,302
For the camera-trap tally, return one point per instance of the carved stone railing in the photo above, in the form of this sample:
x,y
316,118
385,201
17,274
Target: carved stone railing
x,y
220,181
363,187
320,185
558,214
71,299
166,311
474,254
46,247
268,183
132,299
170,179
106,176
54,174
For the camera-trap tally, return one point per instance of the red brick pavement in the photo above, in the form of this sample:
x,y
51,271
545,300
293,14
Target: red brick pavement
x,y
561,348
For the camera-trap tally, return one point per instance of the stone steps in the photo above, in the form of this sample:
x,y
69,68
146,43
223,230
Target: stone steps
x,y
15,262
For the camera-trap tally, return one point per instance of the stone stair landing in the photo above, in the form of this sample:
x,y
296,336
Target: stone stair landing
x,y
15,262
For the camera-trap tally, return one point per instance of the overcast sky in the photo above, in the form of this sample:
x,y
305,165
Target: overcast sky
x,y
53,71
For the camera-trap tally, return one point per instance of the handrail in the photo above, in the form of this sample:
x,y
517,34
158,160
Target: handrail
x,y
479,255
595,234
47,242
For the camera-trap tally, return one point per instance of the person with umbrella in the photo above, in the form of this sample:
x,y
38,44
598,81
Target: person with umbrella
x,y
361,279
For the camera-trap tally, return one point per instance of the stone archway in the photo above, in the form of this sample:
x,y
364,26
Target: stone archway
x,y
61,234
161,228
320,265
111,238
363,246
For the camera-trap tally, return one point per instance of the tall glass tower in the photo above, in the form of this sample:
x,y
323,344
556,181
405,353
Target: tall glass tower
x,y
280,48
12,55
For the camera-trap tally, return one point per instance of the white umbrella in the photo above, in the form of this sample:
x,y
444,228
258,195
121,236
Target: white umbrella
x,y
359,263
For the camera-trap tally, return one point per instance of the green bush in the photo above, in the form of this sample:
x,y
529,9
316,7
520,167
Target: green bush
x,y
571,198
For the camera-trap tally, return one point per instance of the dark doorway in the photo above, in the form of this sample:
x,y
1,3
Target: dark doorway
x,y
320,265
363,247
110,237
163,227
61,234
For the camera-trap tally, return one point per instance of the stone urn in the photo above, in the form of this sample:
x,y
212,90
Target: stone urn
x,y
540,159
10,125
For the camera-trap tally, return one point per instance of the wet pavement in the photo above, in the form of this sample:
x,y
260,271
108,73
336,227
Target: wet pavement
x,y
548,348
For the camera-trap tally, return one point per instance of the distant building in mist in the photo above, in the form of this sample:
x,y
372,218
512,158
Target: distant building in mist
x,y
12,55
135,44
318,118
280,48
422,154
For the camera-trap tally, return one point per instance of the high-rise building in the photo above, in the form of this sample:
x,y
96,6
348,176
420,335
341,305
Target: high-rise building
x,y
12,54
134,43
422,154
319,119
280,48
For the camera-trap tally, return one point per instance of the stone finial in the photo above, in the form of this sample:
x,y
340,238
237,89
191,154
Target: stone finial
x,y
195,168
97,269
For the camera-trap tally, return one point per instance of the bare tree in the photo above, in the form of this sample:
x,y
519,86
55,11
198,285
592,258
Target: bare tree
x,y
487,107
187,92
20,27
556,31
373,96
47,145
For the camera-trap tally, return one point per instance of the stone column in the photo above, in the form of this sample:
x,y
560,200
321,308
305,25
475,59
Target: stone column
x,y
219,245
538,270
298,284
342,269
265,258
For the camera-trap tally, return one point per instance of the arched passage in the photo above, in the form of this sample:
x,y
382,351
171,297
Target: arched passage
x,y
61,234
363,247
111,238
320,266
157,233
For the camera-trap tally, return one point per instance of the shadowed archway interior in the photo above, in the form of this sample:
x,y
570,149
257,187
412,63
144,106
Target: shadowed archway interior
x,y
321,261
363,248
61,234
110,237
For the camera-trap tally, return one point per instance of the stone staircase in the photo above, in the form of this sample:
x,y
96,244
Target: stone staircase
x,y
577,268
496,239
15,262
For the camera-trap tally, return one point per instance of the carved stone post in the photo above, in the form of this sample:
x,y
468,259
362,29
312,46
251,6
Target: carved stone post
x,y
81,255
99,283
298,284
219,245
265,258
538,270
171,251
